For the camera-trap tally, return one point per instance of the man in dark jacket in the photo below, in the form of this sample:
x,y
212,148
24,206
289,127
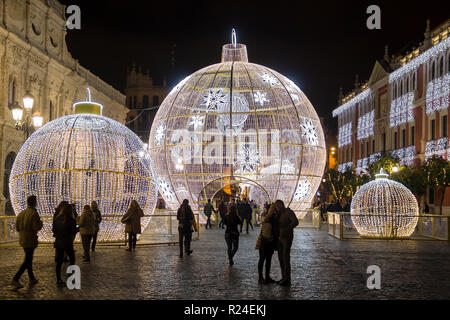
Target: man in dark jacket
x,y
208,210
245,211
287,221
185,217
28,223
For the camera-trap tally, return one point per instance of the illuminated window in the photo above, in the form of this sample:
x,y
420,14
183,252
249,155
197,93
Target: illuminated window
x,y
412,135
433,129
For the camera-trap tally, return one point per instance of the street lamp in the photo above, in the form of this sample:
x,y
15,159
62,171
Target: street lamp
x,y
30,123
395,169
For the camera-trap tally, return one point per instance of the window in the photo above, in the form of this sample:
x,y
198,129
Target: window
x,y
362,150
407,84
384,141
403,138
134,102
433,71
373,146
395,140
444,126
11,93
155,101
351,154
441,67
414,81
394,93
367,148
412,135
433,129
145,101
50,113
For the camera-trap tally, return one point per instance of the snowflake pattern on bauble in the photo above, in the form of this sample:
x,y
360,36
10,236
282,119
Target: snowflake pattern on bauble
x,y
248,159
260,97
160,133
303,189
215,100
309,132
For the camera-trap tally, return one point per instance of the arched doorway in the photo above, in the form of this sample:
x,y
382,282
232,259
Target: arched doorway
x,y
9,161
229,187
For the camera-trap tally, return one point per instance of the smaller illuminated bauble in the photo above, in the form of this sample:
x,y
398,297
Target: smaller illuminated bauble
x,y
80,158
384,208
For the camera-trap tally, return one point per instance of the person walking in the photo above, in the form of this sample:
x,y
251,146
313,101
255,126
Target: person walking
x,y
208,210
98,220
232,220
185,218
64,230
287,221
245,211
28,223
57,211
266,245
222,213
132,220
87,230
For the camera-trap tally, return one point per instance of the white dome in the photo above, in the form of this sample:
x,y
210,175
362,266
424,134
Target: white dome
x,y
80,158
384,208
237,122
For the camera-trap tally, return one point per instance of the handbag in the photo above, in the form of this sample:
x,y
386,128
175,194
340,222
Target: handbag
x,y
194,224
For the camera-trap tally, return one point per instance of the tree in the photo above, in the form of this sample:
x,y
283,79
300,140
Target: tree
x,y
412,178
437,175
354,181
334,183
386,161
343,185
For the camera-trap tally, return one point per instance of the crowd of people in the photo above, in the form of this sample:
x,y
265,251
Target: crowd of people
x,y
66,224
277,225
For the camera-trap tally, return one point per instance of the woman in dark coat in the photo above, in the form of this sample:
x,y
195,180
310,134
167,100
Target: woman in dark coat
x,y
132,219
64,230
185,217
232,220
98,220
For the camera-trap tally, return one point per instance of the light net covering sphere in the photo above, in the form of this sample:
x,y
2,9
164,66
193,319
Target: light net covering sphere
x,y
237,122
384,208
80,158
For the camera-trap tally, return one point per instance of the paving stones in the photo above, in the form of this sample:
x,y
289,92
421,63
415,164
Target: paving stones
x,y
323,268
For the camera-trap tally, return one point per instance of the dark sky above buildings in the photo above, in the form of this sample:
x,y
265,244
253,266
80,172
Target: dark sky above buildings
x,y
321,45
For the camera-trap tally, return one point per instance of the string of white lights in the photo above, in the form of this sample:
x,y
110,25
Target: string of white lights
x,y
424,57
384,208
352,102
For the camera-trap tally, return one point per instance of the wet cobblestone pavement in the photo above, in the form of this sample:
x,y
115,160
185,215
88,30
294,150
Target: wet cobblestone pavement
x,y
323,268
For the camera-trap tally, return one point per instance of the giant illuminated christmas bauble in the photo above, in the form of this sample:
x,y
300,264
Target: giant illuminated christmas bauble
x,y
384,208
234,123
80,158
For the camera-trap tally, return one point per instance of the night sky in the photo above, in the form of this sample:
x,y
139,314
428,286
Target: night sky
x,y
320,45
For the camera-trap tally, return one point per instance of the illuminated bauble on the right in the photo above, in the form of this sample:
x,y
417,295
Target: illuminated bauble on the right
x,y
237,123
384,208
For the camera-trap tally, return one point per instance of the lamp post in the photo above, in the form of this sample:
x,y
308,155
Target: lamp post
x,y
31,121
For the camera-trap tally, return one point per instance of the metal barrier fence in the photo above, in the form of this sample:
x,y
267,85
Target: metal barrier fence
x,y
310,219
429,227
162,229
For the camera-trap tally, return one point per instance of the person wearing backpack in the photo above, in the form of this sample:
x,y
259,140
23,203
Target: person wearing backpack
x,y
185,218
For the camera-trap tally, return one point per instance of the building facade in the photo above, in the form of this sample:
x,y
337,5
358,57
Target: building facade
x,y
34,58
401,109
142,93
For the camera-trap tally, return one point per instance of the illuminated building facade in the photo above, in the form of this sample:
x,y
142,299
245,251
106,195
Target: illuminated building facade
x,y
35,59
401,109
